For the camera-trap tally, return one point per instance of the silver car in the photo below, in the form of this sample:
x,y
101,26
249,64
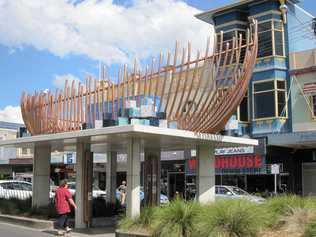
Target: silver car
x,y
15,189
232,192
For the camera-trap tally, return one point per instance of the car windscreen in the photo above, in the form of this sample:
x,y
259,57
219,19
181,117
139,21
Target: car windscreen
x,y
71,185
239,191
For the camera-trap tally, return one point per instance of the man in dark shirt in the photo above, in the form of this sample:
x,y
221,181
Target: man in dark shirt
x,y
63,201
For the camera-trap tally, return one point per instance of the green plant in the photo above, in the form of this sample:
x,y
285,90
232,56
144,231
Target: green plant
x,y
283,205
141,223
310,230
24,208
176,220
296,220
230,218
14,206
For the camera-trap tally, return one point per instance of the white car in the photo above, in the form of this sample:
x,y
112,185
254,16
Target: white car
x,y
232,192
17,189
96,191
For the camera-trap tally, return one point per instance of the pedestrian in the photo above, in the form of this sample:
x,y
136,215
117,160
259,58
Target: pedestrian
x,y
63,202
123,190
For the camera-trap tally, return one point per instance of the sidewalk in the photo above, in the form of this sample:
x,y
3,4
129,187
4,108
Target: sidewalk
x,y
96,232
105,227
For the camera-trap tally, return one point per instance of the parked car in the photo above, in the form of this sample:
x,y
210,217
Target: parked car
x,y
163,198
17,189
96,191
232,192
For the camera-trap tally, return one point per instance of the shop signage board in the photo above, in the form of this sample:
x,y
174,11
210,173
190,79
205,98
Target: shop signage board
x,y
234,150
233,164
70,158
239,162
275,169
236,160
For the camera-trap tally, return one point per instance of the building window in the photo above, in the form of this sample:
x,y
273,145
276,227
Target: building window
x,y
314,105
243,110
278,38
269,99
265,47
24,151
281,98
228,38
270,39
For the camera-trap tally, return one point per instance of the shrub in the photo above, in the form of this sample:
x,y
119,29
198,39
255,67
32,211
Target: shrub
x,y
24,208
178,219
284,205
15,206
296,220
310,230
230,218
141,223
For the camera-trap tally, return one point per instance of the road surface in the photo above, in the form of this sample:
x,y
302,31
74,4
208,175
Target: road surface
x,y
7,230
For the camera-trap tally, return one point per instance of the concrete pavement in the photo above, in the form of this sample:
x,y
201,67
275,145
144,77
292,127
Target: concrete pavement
x,y
10,230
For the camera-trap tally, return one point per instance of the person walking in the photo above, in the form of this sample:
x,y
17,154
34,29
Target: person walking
x,y
63,203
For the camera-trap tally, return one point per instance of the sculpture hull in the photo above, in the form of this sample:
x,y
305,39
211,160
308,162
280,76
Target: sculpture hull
x,y
198,94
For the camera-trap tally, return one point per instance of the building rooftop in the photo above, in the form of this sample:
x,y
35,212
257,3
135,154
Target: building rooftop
x,y
207,15
9,125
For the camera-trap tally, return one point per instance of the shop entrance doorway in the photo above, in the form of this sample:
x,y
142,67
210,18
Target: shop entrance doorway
x,y
176,184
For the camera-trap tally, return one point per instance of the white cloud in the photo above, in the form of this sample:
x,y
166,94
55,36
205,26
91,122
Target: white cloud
x,y
100,29
11,114
60,80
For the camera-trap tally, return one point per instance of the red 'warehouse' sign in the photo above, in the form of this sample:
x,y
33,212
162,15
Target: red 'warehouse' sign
x,y
238,162
248,161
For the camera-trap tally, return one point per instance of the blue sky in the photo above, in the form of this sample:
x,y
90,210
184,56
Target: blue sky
x,y
67,39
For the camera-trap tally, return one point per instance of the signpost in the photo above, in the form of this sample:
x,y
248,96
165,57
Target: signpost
x,y
275,169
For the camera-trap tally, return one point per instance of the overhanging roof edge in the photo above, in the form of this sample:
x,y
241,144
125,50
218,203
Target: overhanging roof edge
x,y
132,129
203,15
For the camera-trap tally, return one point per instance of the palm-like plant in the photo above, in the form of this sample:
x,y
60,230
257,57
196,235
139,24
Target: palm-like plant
x,y
177,219
229,218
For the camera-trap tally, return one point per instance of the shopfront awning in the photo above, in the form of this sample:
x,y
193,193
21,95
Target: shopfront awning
x,y
295,140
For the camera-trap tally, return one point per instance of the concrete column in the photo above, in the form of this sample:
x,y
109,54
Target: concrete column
x,y
111,176
205,173
133,177
41,176
81,181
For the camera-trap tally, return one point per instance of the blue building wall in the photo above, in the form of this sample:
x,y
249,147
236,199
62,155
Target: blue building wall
x,y
272,67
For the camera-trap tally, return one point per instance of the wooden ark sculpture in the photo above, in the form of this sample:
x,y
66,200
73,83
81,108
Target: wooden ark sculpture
x,y
199,93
